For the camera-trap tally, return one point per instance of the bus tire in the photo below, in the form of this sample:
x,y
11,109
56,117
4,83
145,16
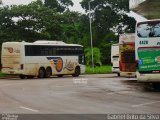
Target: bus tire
x,y
77,72
118,74
60,75
48,72
30,76
41,73
156,86
22,76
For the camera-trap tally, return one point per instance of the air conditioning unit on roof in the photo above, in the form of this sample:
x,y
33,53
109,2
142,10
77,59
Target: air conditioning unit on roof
x,y
49,42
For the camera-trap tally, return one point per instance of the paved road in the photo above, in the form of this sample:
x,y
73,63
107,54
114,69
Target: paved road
x,y
94,94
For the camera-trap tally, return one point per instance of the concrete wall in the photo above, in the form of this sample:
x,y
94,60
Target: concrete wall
x,y
150,9
134,3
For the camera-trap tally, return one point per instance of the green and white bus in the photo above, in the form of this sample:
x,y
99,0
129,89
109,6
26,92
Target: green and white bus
x,y
147,45
42,59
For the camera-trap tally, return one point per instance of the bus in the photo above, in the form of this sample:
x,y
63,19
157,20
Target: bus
x,y
42,59
127,55
148,50
115,58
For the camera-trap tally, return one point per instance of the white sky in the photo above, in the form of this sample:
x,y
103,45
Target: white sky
x,y
76,7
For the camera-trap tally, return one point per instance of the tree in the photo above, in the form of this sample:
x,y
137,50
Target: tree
x,y
29,22
110,15
75,28
109,19
58,5
96,56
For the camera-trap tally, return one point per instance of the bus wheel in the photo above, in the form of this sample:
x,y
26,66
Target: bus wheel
x,y
77,72
30,77
41,73
118,74
60,75
156,86
22,76
48,72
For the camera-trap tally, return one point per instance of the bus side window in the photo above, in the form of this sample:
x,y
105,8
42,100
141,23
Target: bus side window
x,y
57,51
65,50
50,51
30,50
27,50
53,51
69,51
82,59
42,50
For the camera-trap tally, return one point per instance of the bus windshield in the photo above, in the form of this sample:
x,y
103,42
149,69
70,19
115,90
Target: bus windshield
x,y
148,29
128,57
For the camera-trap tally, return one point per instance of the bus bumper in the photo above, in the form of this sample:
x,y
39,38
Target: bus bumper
x,y
148,77
128,74
115,69
12,72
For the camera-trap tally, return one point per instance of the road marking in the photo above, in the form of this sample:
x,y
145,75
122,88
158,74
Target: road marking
x,y
30,109
149,103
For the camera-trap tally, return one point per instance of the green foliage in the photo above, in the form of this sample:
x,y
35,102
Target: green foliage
x,y
116,5
58,5
98,70
109,19
29,22
105,47
75,28
96,56
110,15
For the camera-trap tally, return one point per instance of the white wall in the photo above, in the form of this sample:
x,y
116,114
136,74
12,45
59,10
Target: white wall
x,y
135,3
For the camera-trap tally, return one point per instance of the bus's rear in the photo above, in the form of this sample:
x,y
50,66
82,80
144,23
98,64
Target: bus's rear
x,y
148,51
115,58
127,55
11,58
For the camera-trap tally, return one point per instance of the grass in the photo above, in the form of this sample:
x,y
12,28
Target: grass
x,y
99,70
3,75
6,75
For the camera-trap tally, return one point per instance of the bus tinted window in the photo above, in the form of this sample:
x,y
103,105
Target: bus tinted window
x,y
32,51
35,50
150,29
115,58
128,57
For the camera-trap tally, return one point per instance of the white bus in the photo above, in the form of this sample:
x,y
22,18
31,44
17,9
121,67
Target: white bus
x,y
42,59
115,58
127,60
148,50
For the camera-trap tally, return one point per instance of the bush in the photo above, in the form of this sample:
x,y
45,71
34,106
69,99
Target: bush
x,y
98,70
96,56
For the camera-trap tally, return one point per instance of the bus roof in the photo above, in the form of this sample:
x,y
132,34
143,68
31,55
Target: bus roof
x,y
148,21
44,42
117,44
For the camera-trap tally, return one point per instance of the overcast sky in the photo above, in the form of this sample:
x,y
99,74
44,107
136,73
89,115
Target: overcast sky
x,y
76,7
